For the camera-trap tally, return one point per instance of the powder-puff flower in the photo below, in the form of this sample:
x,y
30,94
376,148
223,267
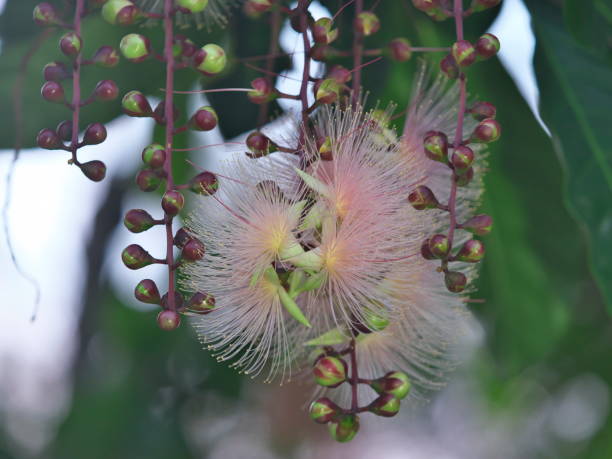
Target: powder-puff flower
x,y
215,13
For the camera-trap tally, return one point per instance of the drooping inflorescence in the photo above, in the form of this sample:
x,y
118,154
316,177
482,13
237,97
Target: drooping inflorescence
x,y
311,249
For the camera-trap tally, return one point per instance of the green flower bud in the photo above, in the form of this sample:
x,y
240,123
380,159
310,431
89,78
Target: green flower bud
x,y
154,156
328,91
386,405
323,410
106,56
438,245
323,32
45,15
134,103
71,44
193,6
122,12
344,428
395,383
367,23
148,180
210,59
329,371
135,47
436,146
472,251
464,53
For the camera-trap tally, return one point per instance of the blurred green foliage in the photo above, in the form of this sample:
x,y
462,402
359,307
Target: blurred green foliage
x,y
549,262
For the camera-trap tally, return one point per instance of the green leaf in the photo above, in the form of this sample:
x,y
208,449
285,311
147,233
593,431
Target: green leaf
x,y
576,97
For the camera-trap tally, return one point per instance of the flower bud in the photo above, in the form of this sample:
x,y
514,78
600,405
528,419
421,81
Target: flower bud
x,y
426,252
146,291
322,31
263,91
95,134
135,47
172,202
344,428
204,119
181,238
462,158
481,5
465,177
367,23
210,59
201,303
148,180
55,71
205,183
487,46
154,156
436,146
134,103
449,67
482,110
168,320
488,130
159,113
64,130
45,15
426,5
455,281
395,383
183,46
327,91
135,257
472,251
178,300
438,245
386,405
400,49
71,44
94,170
138,220
122,12
260,6
52,91
464,53
422,198
193,251
480,225
323,410
192,6
106,90
106,56
259,145
48,139
340,74
325,148
320,52
329,371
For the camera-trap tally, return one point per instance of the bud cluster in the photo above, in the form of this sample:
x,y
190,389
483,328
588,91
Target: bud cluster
x,y
66,135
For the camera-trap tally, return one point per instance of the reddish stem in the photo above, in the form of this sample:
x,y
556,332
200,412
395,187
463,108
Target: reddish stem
x,y
354,377
303,5
169,115
76,85
357,55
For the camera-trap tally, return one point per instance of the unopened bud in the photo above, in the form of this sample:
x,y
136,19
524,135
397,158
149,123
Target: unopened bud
x,y
480,225
135,257
436,146
422,198
45,15
259,145
135,47
471,252
148,180
48,139
64,130
426,5
259,6
168,320
181,238
340,74
426,251
52,91
55,71
465,177
70,44
464,53
344,428
193,251
367,23
147,292
204,119
134,103
178,301
138,220
154,156
122,12
205,183
94,170
172,202
395,383
323,410
455,281
462,158
487,46
449,67
210,59
323,32
329,371
106,90
488,130
438,245
95,134
328,91
482,110
400,49
386,405
325,149
106,56
263,91
192,6
201,303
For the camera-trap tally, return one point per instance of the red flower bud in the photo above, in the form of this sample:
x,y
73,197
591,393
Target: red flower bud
x,y
472,251
455,281
94,170
426,252
193,251
464,53
449,67
201,303
181,238
340,74
172,202
205,183
138,220
53,92
45,15
95,134
263,91
487,46
154,156
488,130
462,158
386,405
330,371
146,291
148,180
168,320
71,44
323,410
259,145
204,119
480,225
466,177
55,71
400,49
134,103
483,110
106,56
135,257
48,139
422,198
439,246
436,146
106,90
